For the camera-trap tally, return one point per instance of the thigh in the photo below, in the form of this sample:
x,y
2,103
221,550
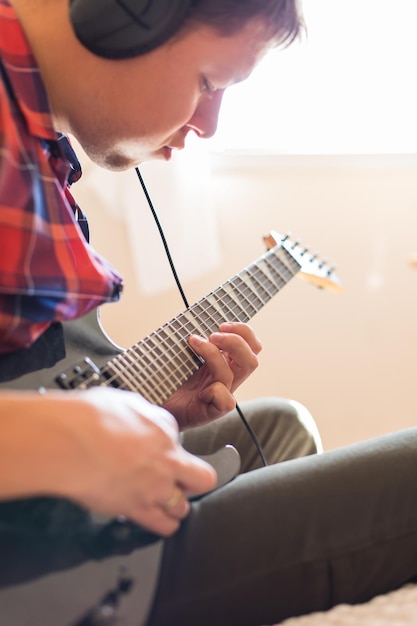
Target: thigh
x,y
284,428
295,537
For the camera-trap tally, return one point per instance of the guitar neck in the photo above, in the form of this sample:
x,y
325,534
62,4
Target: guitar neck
x,y
161,362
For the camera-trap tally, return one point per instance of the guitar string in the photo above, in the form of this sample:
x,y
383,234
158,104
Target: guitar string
x,y
176,278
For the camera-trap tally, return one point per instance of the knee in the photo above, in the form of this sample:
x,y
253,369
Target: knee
x,y
307,425
287,426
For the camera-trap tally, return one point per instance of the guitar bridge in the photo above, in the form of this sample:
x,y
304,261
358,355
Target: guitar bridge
x,y
80,376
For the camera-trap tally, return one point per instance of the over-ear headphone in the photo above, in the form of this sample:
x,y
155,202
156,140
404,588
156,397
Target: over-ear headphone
x,y
120,29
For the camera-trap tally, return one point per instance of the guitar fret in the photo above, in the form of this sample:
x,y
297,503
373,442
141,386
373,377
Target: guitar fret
x,y
183,354
168,374
197,324
157,390
258,283
122,373
228,304
277,273
209,313
279,276
241,285
283,259
181,327
167,353
175,358
122,367
163,356
143,385
238,312
165,373
273,281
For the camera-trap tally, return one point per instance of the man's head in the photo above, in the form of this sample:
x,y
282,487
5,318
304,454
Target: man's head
x,y
125,111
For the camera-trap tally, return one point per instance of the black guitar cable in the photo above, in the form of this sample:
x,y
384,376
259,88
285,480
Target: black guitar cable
x,y
187,306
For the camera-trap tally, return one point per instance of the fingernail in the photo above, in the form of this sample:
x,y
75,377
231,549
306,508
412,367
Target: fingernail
x,y
197,339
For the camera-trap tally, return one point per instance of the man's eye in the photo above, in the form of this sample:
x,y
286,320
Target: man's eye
x,y
207,87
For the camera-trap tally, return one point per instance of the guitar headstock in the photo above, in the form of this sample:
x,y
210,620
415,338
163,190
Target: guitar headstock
x,y
314,270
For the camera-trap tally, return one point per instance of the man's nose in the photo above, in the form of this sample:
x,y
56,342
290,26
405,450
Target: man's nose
x,y
206,116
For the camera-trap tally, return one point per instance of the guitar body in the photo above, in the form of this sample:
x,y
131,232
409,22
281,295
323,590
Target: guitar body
x,y
69,344
114,589
60,565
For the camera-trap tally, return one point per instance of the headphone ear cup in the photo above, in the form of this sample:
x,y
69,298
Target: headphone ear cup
x,y
120,29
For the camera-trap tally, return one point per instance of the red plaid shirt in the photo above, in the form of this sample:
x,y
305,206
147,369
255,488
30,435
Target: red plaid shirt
x,y
48,271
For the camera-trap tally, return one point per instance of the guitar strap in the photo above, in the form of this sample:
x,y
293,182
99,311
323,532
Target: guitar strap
x,y
47,350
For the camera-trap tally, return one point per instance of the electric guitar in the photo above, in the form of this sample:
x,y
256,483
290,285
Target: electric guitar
x,y
61,565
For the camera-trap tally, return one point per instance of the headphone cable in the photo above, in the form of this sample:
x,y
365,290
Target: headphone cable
x,y
184,298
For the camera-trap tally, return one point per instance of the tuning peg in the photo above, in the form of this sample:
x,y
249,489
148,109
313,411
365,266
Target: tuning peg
x,y
331,270
296,243
286,236
323,262
303,252
313,257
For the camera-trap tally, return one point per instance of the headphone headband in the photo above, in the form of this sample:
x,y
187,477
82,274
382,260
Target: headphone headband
x,y
120,29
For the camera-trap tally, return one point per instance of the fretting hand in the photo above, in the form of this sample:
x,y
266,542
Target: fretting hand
x,y
230,357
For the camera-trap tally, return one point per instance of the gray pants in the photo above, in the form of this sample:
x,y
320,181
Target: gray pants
x,y
297,536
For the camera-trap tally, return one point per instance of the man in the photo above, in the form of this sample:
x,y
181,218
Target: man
x,y
286,539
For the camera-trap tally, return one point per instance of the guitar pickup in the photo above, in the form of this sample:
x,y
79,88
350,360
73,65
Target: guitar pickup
x,y
80,376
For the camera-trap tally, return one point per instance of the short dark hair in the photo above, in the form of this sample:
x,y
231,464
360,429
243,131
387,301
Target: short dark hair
x,y
283,18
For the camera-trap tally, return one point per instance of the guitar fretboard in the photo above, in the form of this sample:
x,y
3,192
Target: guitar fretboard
x,y
159,364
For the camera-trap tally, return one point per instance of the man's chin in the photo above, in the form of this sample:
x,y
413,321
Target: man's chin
x,y
123,157
118,162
